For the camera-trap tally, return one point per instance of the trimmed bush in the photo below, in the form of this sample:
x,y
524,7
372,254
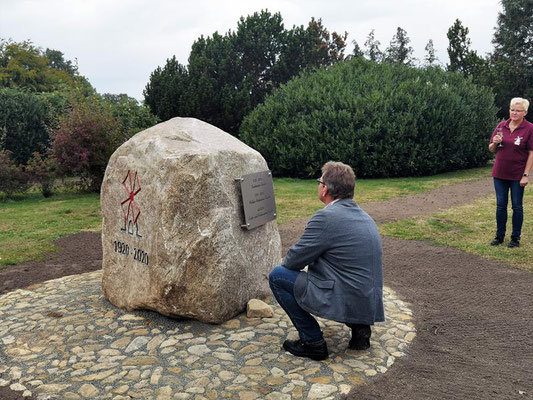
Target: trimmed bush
x,y
384,120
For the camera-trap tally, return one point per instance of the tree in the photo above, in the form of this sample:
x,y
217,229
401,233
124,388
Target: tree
x,y
399,51
165,93
466,61
297,52
22,65
57,61
329,49
357,52
219,86
309,47
458,47
29,68
430,57
258,44
462,59
40,93
24,121
132,116
228,75
372,48
36,89
513,54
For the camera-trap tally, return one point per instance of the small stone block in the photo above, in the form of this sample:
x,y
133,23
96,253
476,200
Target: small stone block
x,y
258,309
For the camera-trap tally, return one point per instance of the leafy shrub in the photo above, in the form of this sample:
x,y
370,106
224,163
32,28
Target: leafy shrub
x,y
42,171
91,129
13,179
84,141
384,120
132,116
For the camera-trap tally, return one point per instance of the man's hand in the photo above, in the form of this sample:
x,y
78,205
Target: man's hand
x,y
524,181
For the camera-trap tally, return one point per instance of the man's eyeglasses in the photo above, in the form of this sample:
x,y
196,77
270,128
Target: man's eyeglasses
x,y
319,181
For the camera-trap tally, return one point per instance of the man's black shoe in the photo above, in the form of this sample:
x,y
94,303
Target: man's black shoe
x,y
360,337
513,243
496,242
310,350
359,343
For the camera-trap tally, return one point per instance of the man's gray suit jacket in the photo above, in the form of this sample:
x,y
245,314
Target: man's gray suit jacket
x,y
342,247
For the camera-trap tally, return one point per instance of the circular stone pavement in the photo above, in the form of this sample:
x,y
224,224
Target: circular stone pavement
x,y
62,340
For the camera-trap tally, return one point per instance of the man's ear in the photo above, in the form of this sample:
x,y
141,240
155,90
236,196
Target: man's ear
x,y
326,191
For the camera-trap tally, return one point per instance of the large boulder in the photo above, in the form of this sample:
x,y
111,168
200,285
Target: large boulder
x,y
172,214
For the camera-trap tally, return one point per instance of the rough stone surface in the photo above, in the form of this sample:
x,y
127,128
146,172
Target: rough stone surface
x,y
81,355
258,309
172,214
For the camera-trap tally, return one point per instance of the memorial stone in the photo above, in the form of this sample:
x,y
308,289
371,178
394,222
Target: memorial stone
x,y
172,214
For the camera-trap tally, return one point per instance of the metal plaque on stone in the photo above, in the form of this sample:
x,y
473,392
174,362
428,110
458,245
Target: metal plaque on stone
x,y
257,192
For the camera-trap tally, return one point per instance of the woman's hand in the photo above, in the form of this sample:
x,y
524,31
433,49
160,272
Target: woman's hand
x,y
497,139
524,181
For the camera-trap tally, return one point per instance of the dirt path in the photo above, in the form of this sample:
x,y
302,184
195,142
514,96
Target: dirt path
x,y
78,253
474,321
405,207
474,317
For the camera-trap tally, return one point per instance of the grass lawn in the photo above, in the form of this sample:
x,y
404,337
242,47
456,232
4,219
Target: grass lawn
x,y
297,198
28,227
471,228
30,224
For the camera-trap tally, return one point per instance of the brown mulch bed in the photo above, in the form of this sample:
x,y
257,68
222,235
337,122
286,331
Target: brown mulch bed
x,y
474,317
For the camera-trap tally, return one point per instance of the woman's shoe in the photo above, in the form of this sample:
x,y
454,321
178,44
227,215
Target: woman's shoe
x,y
513,243
496,242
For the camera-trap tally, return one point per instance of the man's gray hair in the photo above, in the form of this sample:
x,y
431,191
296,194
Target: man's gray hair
x,y
339,178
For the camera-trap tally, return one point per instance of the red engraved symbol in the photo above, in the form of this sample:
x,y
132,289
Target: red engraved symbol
x,y
132,185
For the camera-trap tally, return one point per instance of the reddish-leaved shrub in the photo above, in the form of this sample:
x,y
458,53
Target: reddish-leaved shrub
x,y
84,141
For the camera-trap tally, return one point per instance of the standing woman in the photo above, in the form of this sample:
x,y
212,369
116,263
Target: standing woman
x,y
512,141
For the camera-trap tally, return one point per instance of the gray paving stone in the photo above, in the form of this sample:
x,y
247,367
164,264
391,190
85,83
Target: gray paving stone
x,y
89,348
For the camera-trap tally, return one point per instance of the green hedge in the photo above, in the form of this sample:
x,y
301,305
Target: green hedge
x,y
384,120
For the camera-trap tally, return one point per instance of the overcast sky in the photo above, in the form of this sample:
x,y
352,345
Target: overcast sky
x,y
118,43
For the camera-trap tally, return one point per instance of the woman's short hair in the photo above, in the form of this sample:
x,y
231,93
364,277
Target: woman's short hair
x,y
518,100
339,178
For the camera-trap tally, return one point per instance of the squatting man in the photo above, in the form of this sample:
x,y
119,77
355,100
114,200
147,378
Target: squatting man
x,y
344,281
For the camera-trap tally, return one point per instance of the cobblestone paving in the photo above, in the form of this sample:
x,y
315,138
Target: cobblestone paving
x,y
62,340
